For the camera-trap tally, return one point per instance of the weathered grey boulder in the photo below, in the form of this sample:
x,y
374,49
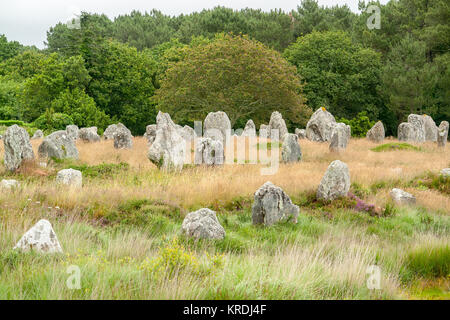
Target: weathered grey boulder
x,y
169,148
413,130
406,132
271,205
340,137
73,131
58,145
110,131
9,184
38,134
208,151
203,224
264,131
70,177
402,197
123,139
291,151
217,126
17,147
150,133
335,183
40,238
430,128
301,133
442,135
187,133
249,129
320,126
376,133
445,172
277,123
89,134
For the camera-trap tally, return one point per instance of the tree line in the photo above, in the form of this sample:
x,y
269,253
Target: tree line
x,y
246,62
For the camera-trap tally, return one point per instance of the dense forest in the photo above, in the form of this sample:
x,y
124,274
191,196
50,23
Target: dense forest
x,y
247,63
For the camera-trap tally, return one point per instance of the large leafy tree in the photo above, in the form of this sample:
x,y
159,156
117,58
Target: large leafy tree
x,y
337,73
234,74
122,83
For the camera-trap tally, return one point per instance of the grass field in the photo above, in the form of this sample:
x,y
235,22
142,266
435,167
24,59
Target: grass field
x,y
122,229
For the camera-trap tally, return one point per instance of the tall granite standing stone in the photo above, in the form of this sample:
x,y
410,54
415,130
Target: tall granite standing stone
x,y
277,123
271,205
150,133
376,133
249,129
430,128
335,183
89,134
320,126
123,139
291,151
217,126
442,135
73,131
340,137
208,151
17,147
169,148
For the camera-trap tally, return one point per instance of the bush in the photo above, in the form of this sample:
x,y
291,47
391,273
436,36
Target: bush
x,y
50,121
359,125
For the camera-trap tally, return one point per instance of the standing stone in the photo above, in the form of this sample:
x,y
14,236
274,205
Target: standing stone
x,y
320,126
445,172
406,132
290,151
169,148
150,133
38,134
340,137
413,130
89,134
272,205
40,238
58,145
301,133
70,177
208,151
73,131
110,131
335,183
123,139
9,184
249,129
203,224
376,133
430,128
187,133
264,131
402,197
442,135
217,126
277,123
17,147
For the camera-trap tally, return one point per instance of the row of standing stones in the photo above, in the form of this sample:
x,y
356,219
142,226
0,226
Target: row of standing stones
x,y
167,150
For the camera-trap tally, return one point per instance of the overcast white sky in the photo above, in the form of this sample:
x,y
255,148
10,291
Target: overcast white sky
x,y
27,21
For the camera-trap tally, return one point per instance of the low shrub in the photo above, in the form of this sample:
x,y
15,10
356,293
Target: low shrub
x,y
392,146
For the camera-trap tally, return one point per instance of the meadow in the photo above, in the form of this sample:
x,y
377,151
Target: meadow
x,y
122,229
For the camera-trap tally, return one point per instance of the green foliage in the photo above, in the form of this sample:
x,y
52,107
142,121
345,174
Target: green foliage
x,y
337,72
8,49
51,121
392,146
359,125
427,262
234,74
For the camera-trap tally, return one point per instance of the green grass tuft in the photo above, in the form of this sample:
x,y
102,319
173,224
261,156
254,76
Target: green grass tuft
x,y
392,146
